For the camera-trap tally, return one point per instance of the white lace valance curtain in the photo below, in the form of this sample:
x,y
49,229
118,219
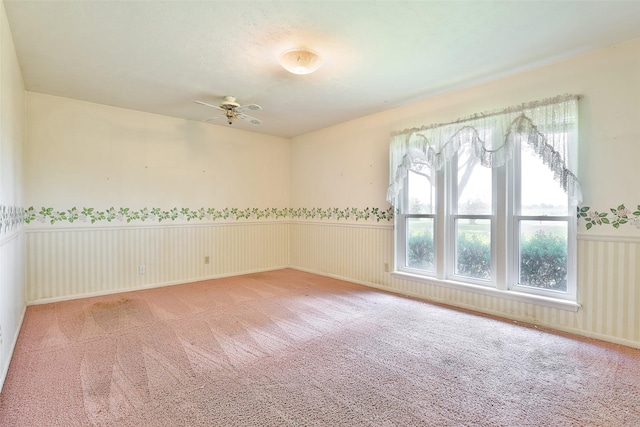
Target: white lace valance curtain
x,y
549,126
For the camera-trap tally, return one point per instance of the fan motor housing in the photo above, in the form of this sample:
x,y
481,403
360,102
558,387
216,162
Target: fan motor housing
x,y
229,103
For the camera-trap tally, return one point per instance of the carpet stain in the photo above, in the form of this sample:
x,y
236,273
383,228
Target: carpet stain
x,y
122,313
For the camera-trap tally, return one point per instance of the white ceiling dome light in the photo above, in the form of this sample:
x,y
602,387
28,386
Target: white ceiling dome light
x,y
300,61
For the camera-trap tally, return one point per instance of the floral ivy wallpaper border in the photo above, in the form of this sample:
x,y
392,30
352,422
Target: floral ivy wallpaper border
x,y
128,215
619,216
11,216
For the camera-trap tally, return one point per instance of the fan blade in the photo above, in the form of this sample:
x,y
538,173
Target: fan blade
x,y
249,119
210,119
252,107
208,105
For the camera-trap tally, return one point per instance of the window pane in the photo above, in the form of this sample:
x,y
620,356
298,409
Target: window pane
x,y
541,194
420,243
473,248
474,184
543,254
421,193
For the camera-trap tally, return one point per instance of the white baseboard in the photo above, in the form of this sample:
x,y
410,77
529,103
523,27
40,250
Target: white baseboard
x,y
148,286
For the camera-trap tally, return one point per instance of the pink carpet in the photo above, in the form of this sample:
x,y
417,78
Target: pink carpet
x,y
287,348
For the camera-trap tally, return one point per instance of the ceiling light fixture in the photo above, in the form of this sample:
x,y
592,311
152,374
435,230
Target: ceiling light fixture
x,y
300,61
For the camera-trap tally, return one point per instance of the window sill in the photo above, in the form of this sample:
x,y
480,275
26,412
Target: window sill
x,y
510,295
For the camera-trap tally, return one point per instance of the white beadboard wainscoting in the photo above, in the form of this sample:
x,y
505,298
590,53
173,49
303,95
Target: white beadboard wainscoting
x,y
356,252
12,295
609,287
608,283
83,261
74,262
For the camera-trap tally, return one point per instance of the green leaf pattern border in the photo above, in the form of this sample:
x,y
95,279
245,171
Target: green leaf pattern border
x,y
11,216
615,217
86,215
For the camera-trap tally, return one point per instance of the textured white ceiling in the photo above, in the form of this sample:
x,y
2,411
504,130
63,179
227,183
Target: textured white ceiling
x,y
157,56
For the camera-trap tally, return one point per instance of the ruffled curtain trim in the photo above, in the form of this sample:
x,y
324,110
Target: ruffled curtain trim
x,y
549,126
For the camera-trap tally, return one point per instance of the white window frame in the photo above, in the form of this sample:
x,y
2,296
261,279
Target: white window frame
x,y
515,216
401,238
452,215
505,235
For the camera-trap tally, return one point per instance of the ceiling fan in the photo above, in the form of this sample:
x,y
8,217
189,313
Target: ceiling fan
x,y
232,110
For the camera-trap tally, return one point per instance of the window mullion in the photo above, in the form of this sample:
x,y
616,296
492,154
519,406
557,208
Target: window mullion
x,y
442,224
500,226
512,221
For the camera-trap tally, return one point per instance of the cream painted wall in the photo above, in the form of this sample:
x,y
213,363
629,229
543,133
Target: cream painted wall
x,y
82,155
342,166
88,155
12,241
348,165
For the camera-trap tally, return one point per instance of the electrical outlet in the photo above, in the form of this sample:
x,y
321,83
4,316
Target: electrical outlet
x,y
142,269
207,259
386,267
